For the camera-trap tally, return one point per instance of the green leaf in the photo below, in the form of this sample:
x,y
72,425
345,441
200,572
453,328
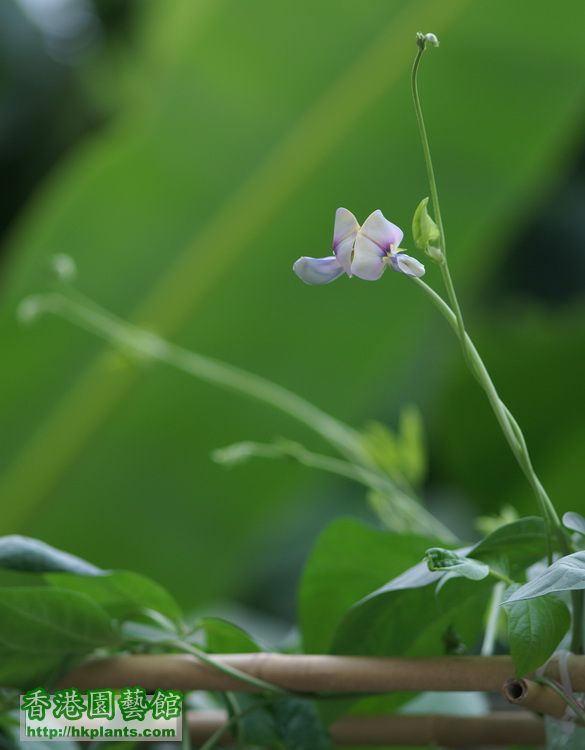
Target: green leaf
x,y
514,546
424,229
447,561
32,555
299,725
122,593
413,621
259,725
348,561
566,574
574,522
535,629
222,637
21,671
44,626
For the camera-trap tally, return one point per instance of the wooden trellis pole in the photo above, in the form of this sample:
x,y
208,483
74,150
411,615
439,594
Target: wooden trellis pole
x,y
311,673
355,675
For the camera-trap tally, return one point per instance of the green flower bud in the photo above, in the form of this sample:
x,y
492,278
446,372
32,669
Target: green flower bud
x,y
425,232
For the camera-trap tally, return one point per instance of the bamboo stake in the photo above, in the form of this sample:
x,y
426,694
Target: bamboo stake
x,y
310,673
497,729
534,697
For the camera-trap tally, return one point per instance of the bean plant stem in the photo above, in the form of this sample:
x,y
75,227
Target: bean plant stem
x,y
246,679
569,699
491,628
185,738
508,424
139,343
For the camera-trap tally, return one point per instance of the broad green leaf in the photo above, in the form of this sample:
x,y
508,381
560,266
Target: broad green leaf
x,y
182,205
40,621
34,556
22,671
446,561
413,622
291,723
259,726
514,546
566,574
122,593
535,629
348,561
299,725
574,522
222,637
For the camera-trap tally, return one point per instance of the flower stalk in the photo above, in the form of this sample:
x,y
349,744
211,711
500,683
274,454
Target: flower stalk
x,y
452,312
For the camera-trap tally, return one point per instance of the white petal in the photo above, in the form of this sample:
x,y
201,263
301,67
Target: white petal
x,y
345,225
368,259
317,270
344,253
383,232
344,234
405,264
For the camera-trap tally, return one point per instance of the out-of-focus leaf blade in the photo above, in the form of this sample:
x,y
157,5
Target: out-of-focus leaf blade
x,y
122,593
35,556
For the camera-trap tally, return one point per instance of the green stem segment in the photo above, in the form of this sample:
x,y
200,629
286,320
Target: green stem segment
x,y
78,309
508,424
242,677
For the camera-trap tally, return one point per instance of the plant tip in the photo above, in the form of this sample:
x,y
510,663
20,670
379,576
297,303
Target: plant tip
x,y
63,267
423,39
29,310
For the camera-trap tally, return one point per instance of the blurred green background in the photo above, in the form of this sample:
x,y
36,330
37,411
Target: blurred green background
x,y
185,154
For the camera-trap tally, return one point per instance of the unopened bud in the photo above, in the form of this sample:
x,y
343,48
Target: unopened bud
x,y
435,253
423,39
63,267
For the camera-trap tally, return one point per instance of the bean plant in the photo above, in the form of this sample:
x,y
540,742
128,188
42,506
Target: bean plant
x,y
402,585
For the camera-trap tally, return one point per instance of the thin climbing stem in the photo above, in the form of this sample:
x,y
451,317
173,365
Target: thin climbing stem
x,y
242,677
494,612
76,308
508,424
433,189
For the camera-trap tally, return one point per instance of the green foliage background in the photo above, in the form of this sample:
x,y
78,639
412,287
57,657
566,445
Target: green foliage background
x,y
236,131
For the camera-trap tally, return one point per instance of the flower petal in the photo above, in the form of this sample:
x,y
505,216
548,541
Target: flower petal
x,y
403,263
317,270
344,234
383,232
368,259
